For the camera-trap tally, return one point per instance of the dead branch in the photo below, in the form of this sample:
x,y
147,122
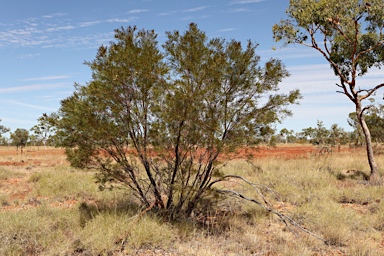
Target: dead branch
x,y
287,220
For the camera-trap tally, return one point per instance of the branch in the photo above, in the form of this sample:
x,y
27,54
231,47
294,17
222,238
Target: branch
x,y
254,185
325,44
370,92
354,51
365,109
266,206
333,64
284,218
380,43
345,91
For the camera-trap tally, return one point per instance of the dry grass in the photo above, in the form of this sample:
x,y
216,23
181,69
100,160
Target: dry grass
x,y
52,209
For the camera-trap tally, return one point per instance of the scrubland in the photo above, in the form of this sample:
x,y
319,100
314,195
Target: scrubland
x,y
48,208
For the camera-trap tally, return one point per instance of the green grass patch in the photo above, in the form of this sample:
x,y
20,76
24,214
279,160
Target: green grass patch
x,y
63,181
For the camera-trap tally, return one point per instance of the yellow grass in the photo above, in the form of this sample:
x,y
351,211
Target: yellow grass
x,y
48,208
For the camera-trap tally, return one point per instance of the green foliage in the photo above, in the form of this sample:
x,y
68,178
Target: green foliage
x,y
19,137
287,136
156,122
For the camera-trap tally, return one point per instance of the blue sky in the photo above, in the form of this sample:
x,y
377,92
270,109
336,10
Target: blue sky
x,y
44,43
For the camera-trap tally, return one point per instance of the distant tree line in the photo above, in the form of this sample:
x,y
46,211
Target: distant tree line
x,y
44,133
336,135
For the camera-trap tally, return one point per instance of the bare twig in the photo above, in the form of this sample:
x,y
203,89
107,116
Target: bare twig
x,y
288,221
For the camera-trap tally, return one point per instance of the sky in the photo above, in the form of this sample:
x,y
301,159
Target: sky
x,y
44,43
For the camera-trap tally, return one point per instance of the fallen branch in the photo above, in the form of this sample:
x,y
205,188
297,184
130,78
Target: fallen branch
x,y
288,221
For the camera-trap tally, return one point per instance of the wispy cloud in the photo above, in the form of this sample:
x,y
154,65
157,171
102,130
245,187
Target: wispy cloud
x,y
118,20
45,78
226,29
246,1
237,10
29,55
89,23
33,87
137,11
54,29
200,8
194,18
27,105
196,9
54,15
33,32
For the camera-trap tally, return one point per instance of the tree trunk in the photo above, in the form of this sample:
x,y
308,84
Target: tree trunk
x,y
374,176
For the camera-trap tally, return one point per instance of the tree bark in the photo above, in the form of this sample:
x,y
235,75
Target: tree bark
x,y
374,176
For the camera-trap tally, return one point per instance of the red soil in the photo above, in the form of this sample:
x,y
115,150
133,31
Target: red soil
x,y
18,189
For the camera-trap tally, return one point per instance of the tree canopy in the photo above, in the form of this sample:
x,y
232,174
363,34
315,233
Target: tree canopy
x,y
156,121
19,138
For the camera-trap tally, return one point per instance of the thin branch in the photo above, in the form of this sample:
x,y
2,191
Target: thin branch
x,y
370,91
267,206
326,45
380,43
338,28
345,91
365,108
254,185
284,218
333,64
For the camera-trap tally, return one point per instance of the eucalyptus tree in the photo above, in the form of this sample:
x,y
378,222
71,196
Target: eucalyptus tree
x,y
349,35
157,121
44,131
287,135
